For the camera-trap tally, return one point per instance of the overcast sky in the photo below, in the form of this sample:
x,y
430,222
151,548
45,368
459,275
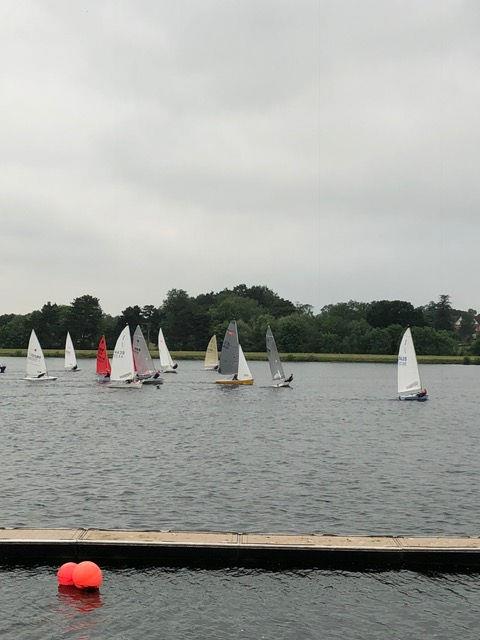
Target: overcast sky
x,y
326,149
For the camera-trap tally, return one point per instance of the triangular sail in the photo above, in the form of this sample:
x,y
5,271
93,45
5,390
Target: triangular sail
x,y
70,357
123,367
164,353
274,361
243,370
35,359
141,355
211,355
229,354
103,363
408,375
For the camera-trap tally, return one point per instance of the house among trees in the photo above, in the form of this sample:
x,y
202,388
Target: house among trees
x,y
467,325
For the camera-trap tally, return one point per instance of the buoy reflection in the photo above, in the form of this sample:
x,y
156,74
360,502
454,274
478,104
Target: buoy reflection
x,y
80,600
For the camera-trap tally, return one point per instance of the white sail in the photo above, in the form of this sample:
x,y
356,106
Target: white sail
x,y
211,355
70,357
408,375
166,361
123,367
243,370
35,359
141,355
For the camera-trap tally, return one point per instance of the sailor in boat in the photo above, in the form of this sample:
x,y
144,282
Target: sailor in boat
x,y
290,378
75,367
107,376
175,365
235,376
422,393
2,368
40,375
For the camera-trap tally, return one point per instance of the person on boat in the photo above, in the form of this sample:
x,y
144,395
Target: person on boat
x,y
40,375
107,376
290,378
75,367
235,376
422,393
2,368
175,365
156,375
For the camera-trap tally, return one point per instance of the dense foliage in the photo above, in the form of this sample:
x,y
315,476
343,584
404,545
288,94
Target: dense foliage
x,y
188,322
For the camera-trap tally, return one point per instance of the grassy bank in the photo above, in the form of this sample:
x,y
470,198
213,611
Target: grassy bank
x,y
286,357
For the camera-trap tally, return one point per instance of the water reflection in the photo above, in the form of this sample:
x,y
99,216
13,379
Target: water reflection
x,y
76,607
80,599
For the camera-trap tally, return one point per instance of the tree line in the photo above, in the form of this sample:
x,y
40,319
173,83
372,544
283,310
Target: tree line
x,y
188,322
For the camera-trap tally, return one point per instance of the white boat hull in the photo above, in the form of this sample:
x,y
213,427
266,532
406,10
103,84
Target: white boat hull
x,y
169,370
120,384
71,369
42,379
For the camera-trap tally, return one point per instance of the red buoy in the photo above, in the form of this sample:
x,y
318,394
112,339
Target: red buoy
x,y
87,575
64,574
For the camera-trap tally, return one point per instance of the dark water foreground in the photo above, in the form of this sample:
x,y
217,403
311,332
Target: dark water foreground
x,y
231,604
336,454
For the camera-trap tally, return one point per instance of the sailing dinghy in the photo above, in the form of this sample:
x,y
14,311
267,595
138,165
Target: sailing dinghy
x,y
232,359
211,355
70,357
143,360
409,383
103,363
36,367
166,362
276,367
123,365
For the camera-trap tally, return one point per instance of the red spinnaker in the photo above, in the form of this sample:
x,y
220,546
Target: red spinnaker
x,y
103,363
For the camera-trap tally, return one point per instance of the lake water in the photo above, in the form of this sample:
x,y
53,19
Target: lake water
x,y
337,453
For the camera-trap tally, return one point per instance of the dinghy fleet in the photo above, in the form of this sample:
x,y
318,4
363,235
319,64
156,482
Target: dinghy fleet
x,y
132,365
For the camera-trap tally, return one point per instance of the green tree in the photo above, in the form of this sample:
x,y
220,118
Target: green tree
x,y
294,333
439,315
86,321
382,313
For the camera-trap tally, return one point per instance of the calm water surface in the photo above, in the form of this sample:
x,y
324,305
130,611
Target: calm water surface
x,y
335,454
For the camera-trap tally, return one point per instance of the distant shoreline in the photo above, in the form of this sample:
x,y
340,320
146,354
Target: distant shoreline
x,y
286,357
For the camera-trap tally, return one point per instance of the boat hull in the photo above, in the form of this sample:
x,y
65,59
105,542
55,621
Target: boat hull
x,y
72,370
153,381
413,398
136,384
281,385
233,382
42,379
